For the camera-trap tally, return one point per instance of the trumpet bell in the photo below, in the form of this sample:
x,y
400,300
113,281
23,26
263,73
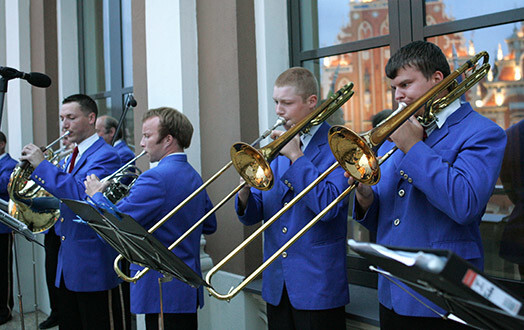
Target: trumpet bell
x,y
252,166
354,155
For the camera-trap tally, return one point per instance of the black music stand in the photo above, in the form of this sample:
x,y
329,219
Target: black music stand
x,y
137,245
450,282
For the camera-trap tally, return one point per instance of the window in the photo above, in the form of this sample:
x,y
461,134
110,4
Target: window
x,y
341,41
106,57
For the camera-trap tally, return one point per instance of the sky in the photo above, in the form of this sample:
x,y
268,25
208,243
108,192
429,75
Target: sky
x,y
333,15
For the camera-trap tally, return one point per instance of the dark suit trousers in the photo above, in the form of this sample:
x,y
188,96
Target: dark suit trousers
x,y
6,275
90,310
390,320
173,321
285,317
52,245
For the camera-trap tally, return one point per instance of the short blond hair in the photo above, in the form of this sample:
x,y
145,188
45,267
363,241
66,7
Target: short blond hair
x,y
302,79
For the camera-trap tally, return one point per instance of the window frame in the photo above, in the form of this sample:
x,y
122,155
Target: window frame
x,y
400,34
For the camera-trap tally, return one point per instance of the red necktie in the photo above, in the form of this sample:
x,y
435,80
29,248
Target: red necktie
x,y
73,158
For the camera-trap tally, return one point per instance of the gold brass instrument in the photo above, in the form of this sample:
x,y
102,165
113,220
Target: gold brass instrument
x,y
355,154
253,165
280,121
249,162
118,186
60,154
29,202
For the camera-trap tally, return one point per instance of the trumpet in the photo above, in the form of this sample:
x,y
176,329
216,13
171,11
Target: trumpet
x,y
250,162
355,154
29,202
117,188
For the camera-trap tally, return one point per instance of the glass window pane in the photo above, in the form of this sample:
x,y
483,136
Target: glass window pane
x,y
325,23
96,45
500,97
438,11
366,70
104,106
127,46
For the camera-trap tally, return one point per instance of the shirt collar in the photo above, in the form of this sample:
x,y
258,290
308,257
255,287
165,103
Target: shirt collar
x,y
2,156
117,142
443,115
84,145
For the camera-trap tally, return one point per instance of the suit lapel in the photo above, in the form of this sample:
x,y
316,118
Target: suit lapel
x,y
312,151
455,118
317,141
94,147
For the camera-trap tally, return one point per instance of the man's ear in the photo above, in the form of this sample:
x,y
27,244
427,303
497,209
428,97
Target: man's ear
x,y
92,118
312,101
437,77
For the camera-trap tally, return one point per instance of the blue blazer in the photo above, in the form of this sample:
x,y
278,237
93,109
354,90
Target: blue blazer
x,y
435,195
124,152
314,269
7,164
155,193
84,260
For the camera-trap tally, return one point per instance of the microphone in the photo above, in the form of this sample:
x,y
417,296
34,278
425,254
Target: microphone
x,y
131,102
34,78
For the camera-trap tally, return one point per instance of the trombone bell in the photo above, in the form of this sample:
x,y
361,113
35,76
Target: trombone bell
x,y
252,166
354,154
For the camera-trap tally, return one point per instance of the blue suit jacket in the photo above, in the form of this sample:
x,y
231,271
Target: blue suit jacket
x,y
124,152
438,191
155,193
84,260
314,270
7,164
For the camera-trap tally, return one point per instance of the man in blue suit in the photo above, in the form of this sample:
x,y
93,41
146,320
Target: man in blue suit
x,y
84,275
434,190
7,164
106,128
165,134
306,287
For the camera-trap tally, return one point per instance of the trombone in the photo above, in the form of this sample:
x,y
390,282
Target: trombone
x,y
252,165
356,155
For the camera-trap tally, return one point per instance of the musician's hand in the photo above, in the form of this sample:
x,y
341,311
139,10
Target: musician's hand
x,y
94,185
363,194
408,134
243,195
32,154
292,149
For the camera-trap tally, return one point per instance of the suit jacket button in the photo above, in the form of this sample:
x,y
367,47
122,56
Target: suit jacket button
x,y
284,230
63,238
406,176
401,172
396,222
62,219
401,192
286,182
284,254
410,180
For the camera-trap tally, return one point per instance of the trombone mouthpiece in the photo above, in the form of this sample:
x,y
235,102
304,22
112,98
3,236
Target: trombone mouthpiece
x,y
280,121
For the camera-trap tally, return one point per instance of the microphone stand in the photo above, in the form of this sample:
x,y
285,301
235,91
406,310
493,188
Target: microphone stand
x,y
20,303
130,102
3,90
